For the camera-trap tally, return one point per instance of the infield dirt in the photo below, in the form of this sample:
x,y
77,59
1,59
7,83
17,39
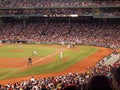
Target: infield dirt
x,y
80,67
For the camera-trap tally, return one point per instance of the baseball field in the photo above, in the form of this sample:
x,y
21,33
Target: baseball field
x,y
14,60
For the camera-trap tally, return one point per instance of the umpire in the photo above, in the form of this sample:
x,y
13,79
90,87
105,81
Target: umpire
x,y
29,61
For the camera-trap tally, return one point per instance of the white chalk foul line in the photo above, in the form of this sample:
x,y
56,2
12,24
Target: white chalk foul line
x,y
43,58
7,74
34,62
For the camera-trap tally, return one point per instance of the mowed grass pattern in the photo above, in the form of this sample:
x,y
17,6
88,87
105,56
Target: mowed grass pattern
x,y
13,51
57,65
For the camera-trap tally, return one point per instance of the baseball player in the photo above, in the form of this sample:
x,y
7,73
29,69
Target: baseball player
x,y
34,53
29,61
20,47
61,55
68,45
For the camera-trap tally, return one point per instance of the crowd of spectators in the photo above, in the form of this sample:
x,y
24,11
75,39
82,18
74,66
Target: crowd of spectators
x,y
46,12
84,32
88,33
73,11
100,77
30,7
56,3
111,12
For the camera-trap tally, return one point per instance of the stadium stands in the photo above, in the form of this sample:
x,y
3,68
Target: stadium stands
x,y
87,32
56,3
80,21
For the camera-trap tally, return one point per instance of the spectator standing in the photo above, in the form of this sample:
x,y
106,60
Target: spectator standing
x,y
99,82
116,78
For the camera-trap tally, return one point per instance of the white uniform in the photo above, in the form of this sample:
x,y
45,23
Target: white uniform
x,y
20,47
0,42
61,55
34,53
62,43
68,45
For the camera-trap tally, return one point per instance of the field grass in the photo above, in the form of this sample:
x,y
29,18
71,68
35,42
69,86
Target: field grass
x,y
42,50
56,66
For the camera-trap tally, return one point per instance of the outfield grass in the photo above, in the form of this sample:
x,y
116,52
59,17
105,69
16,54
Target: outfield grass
x,y
57,65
